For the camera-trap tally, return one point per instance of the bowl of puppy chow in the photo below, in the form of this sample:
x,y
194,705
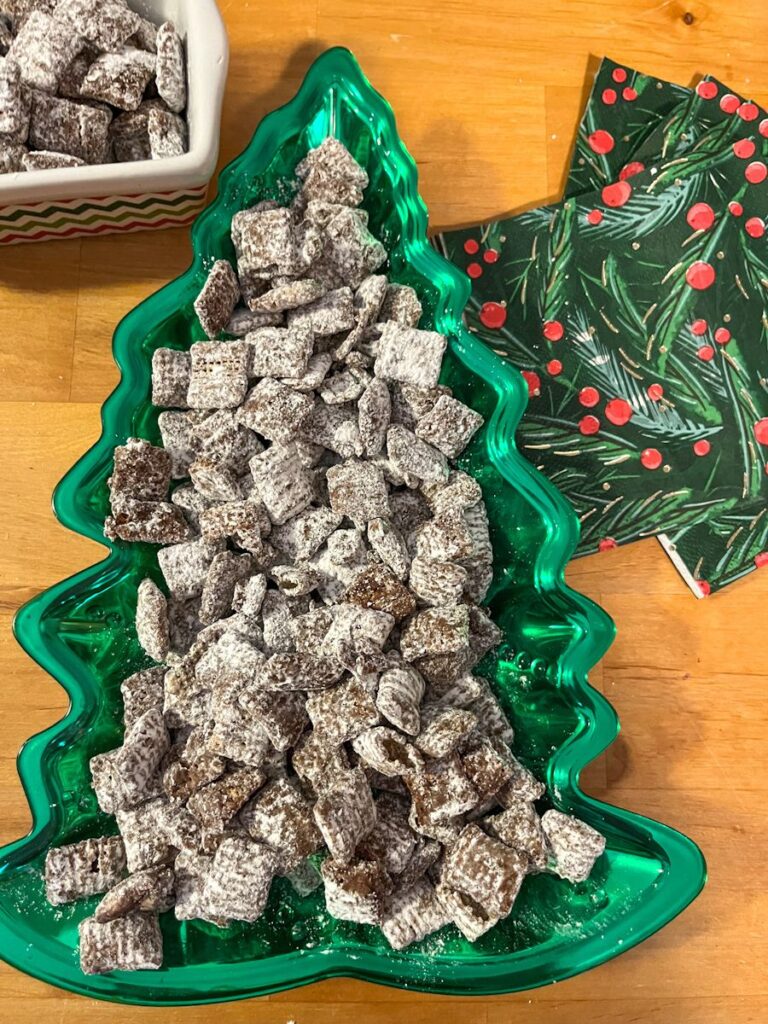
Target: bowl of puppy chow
x,y
109,114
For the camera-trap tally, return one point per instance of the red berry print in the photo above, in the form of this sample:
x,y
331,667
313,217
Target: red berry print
x,y
493,315
607,544
704,588
702,447
601,141
735,208
589,425
761,431
617,194
629,94
707,90
701,216
609,96
618,411
763,128
630,170
706,353
722,335
595,217
490,256
533,381
554,367
474,270
471,246
589,397
655,392
744,149
700,275
755,227
651,458
748,111
756,172
553,330
761,559
729,103
699,327
619,75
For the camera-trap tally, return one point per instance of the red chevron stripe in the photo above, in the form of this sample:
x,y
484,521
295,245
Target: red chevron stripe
x,y
102,229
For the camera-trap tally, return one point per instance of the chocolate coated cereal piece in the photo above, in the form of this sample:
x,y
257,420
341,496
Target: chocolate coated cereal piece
x,y
426,854
185,566
374,410
132,943
470,917
354,626
484,634
521,786
141,691
140,470
344,386
410,355
152,620
332,313
345,813
357,489
334,427
519,826
167,134
11,157
63,126
240,520
489,766
176,434
377,587
288,671
238,881
356,891
460,691
215,805
145,36
277,352
218,377
392,841
437,583
218,592
315,373
275,411
399,697
226,665
351,249
238,737
191,870
301,536
153,522
316,761
14,108
449,426
144,747
282,482
171,67
491,718
105,23
412,914
282,715
443,729
485,869
335,161
105,780
387,751
342,712
413,457
147,891
83,869
435,631
292,294
266,242
387,541
171,372
215,481
445,538
243,321
43,48
575,845
401,304
442,791
119,78
281,818
40,160
216,302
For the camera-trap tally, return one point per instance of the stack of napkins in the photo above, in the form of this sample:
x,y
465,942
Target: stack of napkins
x,y
637,310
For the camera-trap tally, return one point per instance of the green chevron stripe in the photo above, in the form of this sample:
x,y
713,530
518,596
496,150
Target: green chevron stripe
x,y
87,205
124,214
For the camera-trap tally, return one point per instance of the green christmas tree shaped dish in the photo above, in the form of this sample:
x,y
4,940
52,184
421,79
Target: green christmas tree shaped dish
x,y
81,631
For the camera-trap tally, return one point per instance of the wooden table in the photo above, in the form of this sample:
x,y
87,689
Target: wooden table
x,y
487,96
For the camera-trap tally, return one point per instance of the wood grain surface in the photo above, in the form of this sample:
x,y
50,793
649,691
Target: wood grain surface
x,y
487,96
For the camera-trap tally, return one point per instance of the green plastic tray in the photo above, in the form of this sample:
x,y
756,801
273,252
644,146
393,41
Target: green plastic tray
x,y
81,631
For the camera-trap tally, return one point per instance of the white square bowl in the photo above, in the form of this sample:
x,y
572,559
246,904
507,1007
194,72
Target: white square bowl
x,y
95,200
